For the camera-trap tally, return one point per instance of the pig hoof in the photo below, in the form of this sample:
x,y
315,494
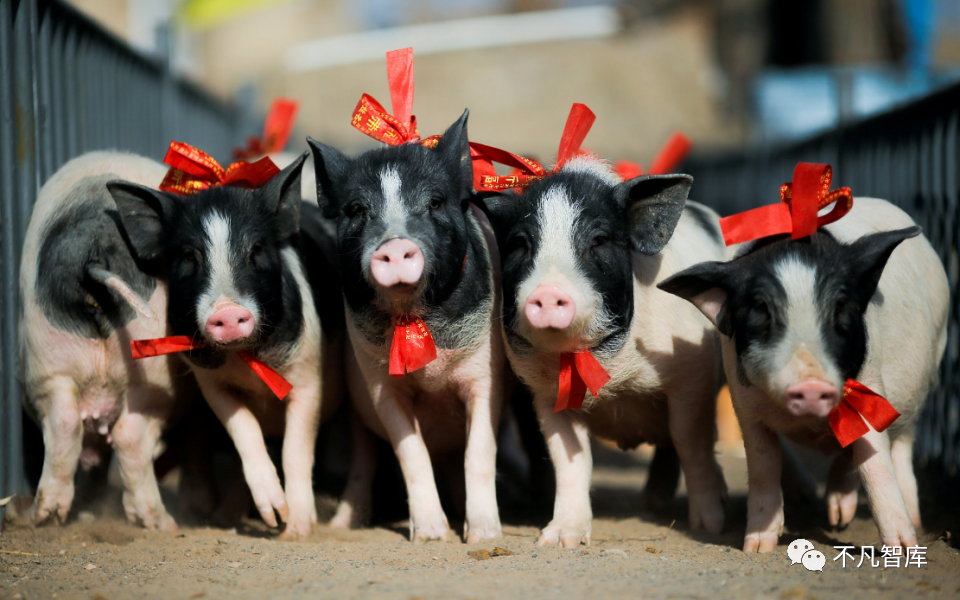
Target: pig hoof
x,y
568,536
295,532
706,512
841,507
350,516
480,534
440,532
47,506
896,530
166,522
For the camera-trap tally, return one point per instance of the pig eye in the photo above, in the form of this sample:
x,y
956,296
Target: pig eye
x,y
356,210
189,255
600,240
436,202
255,250
759,311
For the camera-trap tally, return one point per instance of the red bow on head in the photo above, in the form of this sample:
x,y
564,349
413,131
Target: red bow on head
x,y
579,371
181,343
666,161
800,201
860,403
371,118
192,170
527,171
276,130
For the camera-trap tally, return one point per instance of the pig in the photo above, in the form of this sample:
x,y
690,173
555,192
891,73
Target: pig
x,y
410,244
864,298
581,253
238,283
83,298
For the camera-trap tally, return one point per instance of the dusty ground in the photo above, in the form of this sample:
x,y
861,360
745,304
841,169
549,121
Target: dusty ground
x,y
632,556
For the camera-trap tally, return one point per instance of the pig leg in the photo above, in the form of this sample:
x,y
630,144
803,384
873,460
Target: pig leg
x,y
568,441
662,478
427,521
480,467
63,441
299,441
871,454
135,437
902,453
356,505
764,498
258,469
692,429
843,483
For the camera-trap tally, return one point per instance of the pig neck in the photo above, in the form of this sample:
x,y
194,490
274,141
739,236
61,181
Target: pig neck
x,y
457,316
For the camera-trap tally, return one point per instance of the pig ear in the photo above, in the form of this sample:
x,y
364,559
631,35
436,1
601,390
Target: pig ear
x,y
705,286
142,211
653,205
330,165
869,256
454,150
503,210
284,190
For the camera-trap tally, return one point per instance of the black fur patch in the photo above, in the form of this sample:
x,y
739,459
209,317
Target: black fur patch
x,y
705,220
86,235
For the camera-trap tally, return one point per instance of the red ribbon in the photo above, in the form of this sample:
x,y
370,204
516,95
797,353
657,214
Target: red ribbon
x,y
669,157
181,343
800,201
276,130
527,171
371,118
413,346
579,371
192,170
860,403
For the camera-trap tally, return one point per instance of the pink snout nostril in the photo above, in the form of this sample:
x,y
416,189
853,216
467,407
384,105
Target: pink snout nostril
x,y
231,324
397,262
549,307
811,397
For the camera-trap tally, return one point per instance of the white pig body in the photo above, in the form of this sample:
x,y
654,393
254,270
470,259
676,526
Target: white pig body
x,y
79,378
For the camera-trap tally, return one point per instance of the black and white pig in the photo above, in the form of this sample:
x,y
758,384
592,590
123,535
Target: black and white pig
x,y
411,244
84,298
582,251
801,317
237,283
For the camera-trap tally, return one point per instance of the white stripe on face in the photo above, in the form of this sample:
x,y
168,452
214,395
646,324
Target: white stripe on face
x,y
801,353
393,213
216,228
556,264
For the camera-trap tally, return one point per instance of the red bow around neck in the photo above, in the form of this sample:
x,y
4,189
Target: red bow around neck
x,y
525,170
181,343
412,348
579,371
796,214
860,403
276,130
192,171
667,160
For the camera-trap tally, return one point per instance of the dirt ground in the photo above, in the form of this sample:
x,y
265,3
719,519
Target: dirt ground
x,y
632,555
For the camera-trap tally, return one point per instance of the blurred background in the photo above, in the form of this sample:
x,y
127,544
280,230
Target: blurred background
x,y
728,73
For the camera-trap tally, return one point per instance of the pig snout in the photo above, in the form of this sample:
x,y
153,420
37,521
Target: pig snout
x,y
811,397
232,323
397,262
549,307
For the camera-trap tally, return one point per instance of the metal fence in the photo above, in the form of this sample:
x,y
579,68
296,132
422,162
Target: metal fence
x,y
68,87
909,156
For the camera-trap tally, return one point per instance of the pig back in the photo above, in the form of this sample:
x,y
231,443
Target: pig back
x,y
907,316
